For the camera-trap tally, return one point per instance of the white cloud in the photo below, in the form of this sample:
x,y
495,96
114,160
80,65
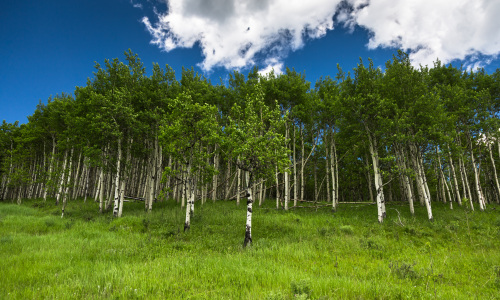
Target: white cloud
x,y
274,65
431,29
239,34
136,5
231,33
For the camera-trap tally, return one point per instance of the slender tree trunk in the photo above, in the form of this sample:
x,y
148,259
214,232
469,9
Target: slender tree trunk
x,y
277,188
407,185
261,191
51,165
333,172
421,181
87,177
286,188
327,172
369,178
110,189
495,176
455,181
248,230
101,190
214,178
482,204
238,189
302,164
188,191
465,183
117,178
295,183
77,174
378,177
61,182
66,192
124,179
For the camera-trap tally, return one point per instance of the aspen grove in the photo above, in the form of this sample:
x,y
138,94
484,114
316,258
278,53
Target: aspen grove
x,y
413,135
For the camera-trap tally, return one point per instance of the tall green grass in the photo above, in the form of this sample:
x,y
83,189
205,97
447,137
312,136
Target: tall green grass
x,y
300,254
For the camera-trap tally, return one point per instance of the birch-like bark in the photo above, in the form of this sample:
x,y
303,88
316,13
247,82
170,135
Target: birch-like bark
x,y
286,174
497,185
66,192
261,190
277,188
327,172
455,180
51,165
77,174
465,183
125,177
421,181
333,172
61,182
303,164
214,178
369,178
6,192
295,183
101,190
238,189
248,228
117,178
87,177
378,177
110,189
188,192
447,189
480,197
401,160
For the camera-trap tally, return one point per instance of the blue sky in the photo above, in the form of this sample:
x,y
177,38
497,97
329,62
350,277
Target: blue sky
x,y
49,47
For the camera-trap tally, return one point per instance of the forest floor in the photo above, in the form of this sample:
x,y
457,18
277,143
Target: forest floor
x,y
303,253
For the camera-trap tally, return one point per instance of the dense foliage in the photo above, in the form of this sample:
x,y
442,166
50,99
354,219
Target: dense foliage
x,y
407,134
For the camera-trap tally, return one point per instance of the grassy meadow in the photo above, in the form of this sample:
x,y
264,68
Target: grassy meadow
x,y
303,253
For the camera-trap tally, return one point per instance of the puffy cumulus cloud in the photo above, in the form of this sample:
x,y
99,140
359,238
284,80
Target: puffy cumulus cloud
x,y
238,34
274,65
431,29
231,33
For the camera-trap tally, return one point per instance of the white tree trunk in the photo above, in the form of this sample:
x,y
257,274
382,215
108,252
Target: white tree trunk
x,y
117,178
124,179
421,181
295,183
378,178
238,189
480,197
497,185
77,174
332,172
248,228
465,183
188,193
61,182
51,165
214,178
66,192
455,180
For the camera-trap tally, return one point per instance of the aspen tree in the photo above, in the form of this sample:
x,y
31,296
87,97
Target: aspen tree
x,y
253,137
187,127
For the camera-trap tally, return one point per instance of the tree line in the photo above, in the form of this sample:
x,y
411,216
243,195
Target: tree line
x,y
415,135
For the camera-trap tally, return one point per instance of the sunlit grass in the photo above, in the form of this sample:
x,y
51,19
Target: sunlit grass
x,y
302,253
